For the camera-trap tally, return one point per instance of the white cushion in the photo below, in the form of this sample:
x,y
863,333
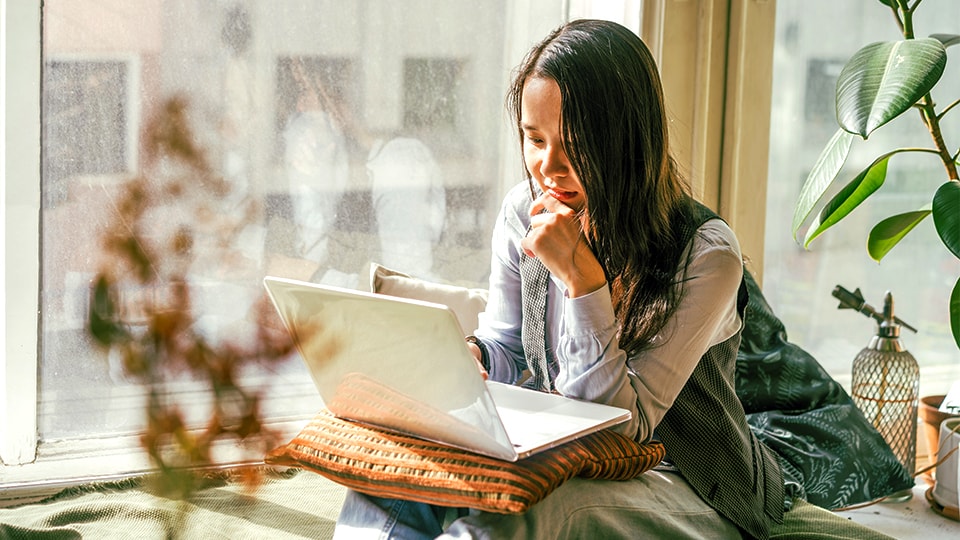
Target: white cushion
x,y
466,303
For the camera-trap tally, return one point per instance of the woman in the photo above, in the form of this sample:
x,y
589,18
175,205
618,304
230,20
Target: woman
x,y
643,309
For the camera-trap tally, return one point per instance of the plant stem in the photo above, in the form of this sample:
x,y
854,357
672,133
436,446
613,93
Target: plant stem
x,y
930,118
907,27
911,149
928,113
896,14
950,106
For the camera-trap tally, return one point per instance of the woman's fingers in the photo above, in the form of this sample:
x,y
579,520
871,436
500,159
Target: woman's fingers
x,y
553,236
546,203
556,238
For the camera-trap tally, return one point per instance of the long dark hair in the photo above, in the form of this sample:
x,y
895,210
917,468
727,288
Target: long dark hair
x,y
614,131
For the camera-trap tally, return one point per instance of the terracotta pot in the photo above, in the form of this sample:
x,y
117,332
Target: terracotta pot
x,y
932,417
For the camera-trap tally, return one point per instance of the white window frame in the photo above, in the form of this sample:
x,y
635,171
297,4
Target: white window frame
x,y
20,162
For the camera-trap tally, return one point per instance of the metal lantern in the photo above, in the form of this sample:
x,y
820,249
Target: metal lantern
x,y
886,379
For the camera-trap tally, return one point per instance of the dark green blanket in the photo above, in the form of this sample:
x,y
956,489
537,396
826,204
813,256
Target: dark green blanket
x,y
830,453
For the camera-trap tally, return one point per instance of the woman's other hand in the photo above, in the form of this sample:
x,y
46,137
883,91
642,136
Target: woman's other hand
x,y
477,356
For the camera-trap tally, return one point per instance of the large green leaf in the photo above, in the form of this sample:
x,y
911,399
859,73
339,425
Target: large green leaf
x,y
884,79
955,313
854,193
829,163
946,215
890,231
946,39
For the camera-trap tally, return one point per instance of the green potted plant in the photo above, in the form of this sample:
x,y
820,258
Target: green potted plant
x,y
880,82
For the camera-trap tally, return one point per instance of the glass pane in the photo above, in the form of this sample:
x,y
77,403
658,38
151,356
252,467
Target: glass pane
x,y
814,39
360,130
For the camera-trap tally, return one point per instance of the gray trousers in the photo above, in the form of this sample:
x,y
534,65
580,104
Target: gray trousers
x,y
658,504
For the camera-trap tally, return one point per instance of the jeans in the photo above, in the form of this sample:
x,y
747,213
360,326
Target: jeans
x,y
658,504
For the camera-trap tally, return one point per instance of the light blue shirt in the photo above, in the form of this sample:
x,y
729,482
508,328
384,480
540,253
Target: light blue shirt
x,y
582,332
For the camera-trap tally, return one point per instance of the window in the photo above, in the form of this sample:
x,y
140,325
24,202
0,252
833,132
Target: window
x,y
110,62
300,109
813,41
286,99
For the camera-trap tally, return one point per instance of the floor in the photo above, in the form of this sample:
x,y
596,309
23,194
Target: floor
x,y
911,519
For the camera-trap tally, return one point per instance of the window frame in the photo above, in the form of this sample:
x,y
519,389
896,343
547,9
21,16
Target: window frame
x,y
20,99
721,78
717,85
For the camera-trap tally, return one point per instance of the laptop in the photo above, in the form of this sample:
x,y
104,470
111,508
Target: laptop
x,y
403,365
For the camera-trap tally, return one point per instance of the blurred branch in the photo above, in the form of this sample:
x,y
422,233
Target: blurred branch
x,y
168,226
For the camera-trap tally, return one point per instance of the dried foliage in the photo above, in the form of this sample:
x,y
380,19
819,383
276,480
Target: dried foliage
x,y
178,219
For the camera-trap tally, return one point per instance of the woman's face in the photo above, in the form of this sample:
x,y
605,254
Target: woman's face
x,y
543,150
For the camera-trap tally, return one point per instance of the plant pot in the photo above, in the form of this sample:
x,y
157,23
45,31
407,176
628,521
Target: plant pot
x,y
932,417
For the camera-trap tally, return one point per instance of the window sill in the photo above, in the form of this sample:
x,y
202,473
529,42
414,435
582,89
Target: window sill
x,y
63,464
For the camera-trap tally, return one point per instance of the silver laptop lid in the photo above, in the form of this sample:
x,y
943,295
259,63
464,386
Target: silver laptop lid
x,y
395,363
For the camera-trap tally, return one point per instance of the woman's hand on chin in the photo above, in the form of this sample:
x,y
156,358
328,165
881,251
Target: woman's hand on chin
x,y
556,238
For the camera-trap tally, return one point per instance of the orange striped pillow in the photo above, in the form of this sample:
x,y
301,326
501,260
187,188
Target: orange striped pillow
x,y
387,464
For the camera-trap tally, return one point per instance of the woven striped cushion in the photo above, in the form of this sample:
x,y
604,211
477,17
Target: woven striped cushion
x,y
387,464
